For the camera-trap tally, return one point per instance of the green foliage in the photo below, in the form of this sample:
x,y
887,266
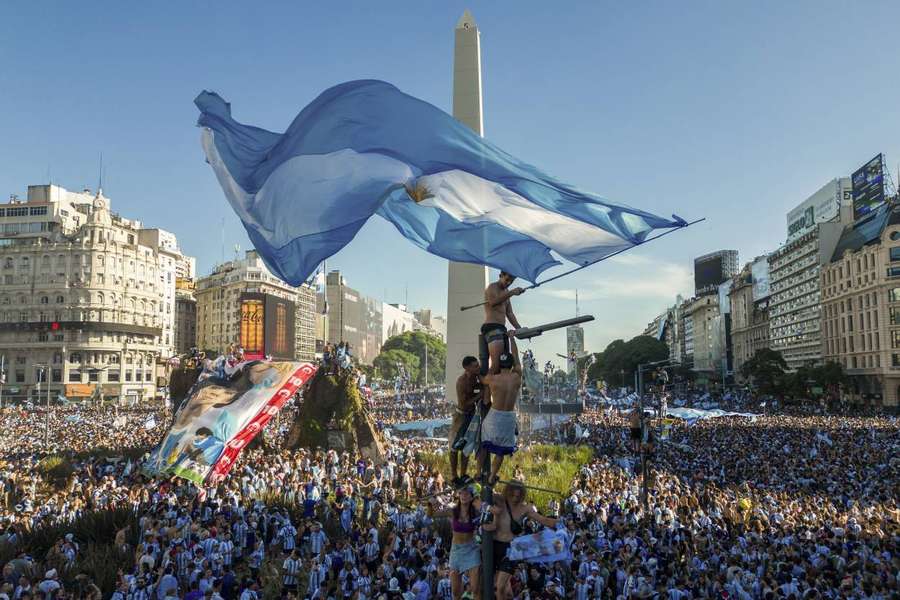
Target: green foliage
x,y
329,398
389,361
415,343
801,384
98,558
766,369
621,359
544,465
56,468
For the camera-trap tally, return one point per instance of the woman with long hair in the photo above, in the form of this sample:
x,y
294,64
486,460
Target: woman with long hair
x,y
465,555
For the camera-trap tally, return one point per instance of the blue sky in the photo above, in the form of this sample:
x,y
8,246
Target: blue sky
x,y
732,111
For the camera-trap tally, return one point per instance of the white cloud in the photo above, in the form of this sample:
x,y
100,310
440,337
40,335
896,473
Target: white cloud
x,y
661,282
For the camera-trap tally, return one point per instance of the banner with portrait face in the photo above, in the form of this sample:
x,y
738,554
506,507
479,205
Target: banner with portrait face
x,y
221,416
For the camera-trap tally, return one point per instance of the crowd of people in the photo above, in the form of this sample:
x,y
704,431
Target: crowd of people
x,y
777,506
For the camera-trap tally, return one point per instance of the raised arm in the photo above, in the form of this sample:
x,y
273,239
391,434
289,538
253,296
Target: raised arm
x,y
536,516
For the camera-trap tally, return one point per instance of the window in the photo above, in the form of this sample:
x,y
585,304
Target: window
x,y
893,272
94,376
112,376
37,211
56,375
20,375
75,357
127,375
895,235
74,375
148,376
42,336
60,299
45,300
895,253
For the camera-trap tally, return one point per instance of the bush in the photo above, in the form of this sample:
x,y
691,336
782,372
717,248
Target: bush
x,y
56,468
544,465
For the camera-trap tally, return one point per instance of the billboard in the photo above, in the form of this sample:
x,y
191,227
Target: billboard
x,y
822,206
724,299
708,273
868,187
267,326
759,271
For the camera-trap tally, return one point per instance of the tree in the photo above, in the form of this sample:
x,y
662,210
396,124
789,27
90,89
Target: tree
x,y
388,364
621,359
415,343
766,369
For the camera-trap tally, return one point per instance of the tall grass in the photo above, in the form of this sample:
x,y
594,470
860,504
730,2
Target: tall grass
x,y
543,465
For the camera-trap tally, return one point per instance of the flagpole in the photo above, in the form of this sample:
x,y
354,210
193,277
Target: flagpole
x,y
586,265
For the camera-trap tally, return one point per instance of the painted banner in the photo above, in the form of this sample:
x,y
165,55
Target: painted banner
x,y
221,416
547,545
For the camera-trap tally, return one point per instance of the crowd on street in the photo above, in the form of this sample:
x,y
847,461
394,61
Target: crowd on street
x,y
765,508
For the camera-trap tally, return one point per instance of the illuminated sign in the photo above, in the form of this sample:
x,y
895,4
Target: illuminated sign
x,y
253,327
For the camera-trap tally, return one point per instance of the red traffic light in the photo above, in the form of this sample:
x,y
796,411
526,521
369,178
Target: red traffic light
x,y
54,325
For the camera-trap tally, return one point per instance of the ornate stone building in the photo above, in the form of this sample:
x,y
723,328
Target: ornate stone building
x,y
85,301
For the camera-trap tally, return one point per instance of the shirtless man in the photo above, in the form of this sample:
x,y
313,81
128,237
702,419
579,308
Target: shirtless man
x,y
497,310
468,394
499,428
509,511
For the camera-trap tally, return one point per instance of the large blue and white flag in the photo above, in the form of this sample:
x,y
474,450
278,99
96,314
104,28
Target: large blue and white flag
x,y
365,147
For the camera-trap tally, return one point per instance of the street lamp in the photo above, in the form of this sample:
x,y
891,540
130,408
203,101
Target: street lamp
x,y
44,368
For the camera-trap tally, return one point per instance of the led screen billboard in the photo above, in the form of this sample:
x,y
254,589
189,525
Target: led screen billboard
x,y
708,274
267,326
868,187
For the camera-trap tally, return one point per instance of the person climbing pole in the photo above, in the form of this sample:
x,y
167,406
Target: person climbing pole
x,y
499,428
510,514
465,423
497,310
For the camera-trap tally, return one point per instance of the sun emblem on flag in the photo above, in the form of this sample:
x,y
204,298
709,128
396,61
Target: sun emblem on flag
x,y
417,191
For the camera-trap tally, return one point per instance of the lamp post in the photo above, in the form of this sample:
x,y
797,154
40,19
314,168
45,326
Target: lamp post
x,y
640,391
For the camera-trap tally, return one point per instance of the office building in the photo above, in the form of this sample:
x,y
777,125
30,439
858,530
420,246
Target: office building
x,y
861,308
223,298
813,230
87,301
713,269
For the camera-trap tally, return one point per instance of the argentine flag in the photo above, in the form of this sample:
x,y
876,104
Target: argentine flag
x,y
365,147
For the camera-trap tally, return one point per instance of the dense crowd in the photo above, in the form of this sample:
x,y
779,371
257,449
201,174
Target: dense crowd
x,y
756,509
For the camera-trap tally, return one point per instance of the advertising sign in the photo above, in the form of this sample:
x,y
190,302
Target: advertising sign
x,y
868,187
759,271
708,273
252,329
823,206
279,328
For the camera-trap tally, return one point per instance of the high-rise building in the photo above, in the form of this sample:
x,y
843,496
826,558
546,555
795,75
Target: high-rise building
x,y
813,230
433,324
223,298
353,318
86,303
704,345
860,285
713,269
185,316
749,300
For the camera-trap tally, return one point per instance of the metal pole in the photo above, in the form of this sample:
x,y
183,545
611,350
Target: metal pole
x,y
2,379
643,433
487,537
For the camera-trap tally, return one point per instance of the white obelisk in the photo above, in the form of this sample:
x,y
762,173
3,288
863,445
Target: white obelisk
x,y
465,282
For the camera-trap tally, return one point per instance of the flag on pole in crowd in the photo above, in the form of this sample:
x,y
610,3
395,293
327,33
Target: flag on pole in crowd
x,y
365,147
221,416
